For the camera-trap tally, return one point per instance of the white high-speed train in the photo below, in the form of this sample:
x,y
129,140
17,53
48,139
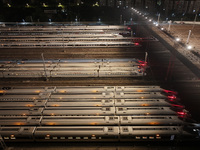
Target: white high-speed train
x,y
73,68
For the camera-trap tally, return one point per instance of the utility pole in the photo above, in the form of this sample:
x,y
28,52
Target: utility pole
x,y
63,39
31,18
120,19
158,19
146,54
44,67
194,21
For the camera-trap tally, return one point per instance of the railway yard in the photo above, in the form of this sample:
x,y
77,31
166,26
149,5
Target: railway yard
x,y
94,83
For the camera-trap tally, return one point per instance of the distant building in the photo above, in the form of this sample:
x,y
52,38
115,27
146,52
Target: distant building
x,y
174,6
6,1
177,6
183,6
116,3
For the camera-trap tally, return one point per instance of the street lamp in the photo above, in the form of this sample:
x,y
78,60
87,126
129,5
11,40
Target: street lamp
x,y
170,22
189,47
49,21
178,39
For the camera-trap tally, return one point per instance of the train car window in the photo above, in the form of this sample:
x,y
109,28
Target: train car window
x,y
125,129
26,129
125,118
111,118
120,109
110,129
107,109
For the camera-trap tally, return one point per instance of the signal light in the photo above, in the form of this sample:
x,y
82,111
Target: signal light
x,y
136,44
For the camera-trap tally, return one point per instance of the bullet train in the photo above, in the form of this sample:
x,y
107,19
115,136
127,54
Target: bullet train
x,y
98,133
73,68
93,113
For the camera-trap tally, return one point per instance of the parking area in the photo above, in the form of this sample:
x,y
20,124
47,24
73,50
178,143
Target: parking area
x,y
188,34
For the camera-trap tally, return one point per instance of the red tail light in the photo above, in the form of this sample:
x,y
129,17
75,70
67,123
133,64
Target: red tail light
x,y
142,63
136,44
170,92
180,106
172,97
181,114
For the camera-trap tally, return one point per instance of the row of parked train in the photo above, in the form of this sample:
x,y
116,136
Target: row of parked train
x,y
94,113
99,133
60,44
35,37
87,113
66,28
73,37
73,68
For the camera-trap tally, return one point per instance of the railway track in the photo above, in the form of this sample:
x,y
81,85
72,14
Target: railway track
x,y
76,81
72,53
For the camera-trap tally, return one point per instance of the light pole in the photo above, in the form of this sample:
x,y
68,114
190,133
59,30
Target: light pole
x,y
120,19
170,22
146,54
194,21
188,38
